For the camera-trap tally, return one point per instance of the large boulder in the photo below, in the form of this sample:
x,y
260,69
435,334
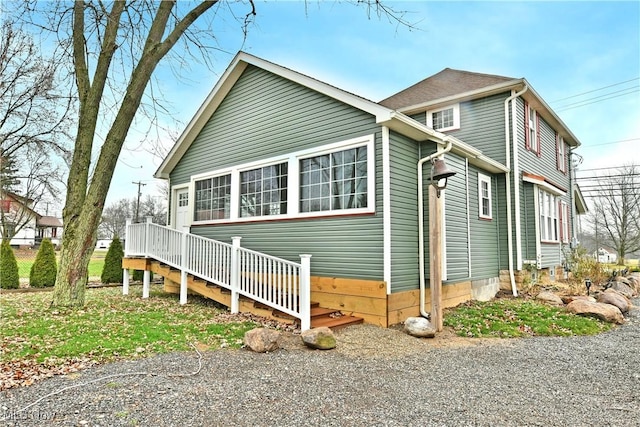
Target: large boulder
x,y
613,297
549,298
262,340
419,327
623,288
568,298
321,338
634,283
605,312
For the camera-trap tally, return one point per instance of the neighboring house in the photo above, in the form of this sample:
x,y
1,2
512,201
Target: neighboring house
x,y
606,256
297,166
27,227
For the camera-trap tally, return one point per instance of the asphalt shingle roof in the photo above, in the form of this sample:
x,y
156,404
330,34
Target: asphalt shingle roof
x,y
447,82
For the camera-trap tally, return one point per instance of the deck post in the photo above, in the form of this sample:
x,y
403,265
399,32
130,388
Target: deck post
x,y
125,281
305,292
146,283
147,240
183,264
126,236
235,274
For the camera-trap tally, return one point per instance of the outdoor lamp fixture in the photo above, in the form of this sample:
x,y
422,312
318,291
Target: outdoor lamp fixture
x,y
439,171
587,283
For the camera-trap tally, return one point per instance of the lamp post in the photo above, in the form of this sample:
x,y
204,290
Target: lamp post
x,y
439,171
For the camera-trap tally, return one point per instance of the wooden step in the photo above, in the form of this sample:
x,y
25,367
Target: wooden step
x,y
335,322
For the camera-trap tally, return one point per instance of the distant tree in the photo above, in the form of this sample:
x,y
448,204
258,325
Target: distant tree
x,y
112,270
615,219
114,216
9,278
44,268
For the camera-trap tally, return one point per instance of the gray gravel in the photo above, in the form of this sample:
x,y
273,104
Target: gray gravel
x,y
395,381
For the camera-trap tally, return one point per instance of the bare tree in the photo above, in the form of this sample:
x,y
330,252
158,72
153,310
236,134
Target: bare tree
x,y
616,213
114,49
114,216
35,117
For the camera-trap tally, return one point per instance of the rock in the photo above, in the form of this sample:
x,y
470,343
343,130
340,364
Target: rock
x,y
634,283
319,338
262,340
568,298
606,312
614,297
549,297
419,327
623,289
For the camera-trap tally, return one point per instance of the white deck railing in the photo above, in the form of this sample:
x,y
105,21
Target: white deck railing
x,y
276,282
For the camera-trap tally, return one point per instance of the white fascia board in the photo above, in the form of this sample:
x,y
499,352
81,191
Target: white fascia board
x,y
540,182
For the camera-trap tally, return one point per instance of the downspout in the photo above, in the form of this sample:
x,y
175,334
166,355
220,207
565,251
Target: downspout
x,y
514,288
438,153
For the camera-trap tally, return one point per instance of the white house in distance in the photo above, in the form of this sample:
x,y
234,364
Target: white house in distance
x,y
605,256
32,228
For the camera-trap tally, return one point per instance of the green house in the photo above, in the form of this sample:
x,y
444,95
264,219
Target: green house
x,y
297,166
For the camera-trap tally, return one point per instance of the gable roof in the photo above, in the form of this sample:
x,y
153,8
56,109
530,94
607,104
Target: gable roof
x,y
446,83
385,116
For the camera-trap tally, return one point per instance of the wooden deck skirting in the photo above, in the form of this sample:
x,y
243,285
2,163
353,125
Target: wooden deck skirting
x,y
367,299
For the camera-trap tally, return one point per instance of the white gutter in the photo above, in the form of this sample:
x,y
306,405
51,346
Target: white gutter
x,y
438,153
512,278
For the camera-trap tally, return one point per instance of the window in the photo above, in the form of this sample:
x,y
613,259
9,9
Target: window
x,y
444,119
263,191
564,222
548,216
183,199
484,196
532,129
334,181
212,198
561,154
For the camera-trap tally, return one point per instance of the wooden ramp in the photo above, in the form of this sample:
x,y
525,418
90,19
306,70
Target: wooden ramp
x,y
320,316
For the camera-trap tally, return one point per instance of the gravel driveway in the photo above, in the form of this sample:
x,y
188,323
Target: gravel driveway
x,y
376,377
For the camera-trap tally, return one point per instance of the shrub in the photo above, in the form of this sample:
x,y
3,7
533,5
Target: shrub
x,y
9,278
44,269
138,275
584,266
112,270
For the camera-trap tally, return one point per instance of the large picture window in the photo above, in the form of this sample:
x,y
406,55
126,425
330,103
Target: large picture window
x,y
548,216
334,181
212,198
263,191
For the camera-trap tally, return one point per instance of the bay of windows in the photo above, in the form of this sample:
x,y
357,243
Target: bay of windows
x,y
548,208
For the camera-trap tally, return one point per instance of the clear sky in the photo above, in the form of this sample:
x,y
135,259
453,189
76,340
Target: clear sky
x,y
583,58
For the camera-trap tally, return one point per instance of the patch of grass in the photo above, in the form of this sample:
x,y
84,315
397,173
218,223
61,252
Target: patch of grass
x,y
111,326
25,261
508,318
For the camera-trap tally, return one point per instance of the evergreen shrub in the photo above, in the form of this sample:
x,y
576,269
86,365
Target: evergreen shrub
x,y
112,270
9,278
44,269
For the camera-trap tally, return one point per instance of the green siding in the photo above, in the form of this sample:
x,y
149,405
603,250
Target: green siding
x,y
485,236
456,220
482,125
264,116
404,213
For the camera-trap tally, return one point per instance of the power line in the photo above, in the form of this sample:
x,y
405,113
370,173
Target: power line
x,y
596,90
613,142
599,100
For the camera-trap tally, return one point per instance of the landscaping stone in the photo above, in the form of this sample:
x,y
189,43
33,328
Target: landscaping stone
x,y
568,298
634,283
419,327
549,298
262,340
319,338
623,288
614,297
605,312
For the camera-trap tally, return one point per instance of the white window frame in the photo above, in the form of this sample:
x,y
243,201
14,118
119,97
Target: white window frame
x,y
533,130
548,217
562,154
482,178
564,212
456,117
293,181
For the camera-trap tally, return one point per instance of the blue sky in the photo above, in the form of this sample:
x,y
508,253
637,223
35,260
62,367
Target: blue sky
x,y
563,49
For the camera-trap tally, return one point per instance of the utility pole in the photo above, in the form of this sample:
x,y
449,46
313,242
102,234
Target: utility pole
x,y
139,184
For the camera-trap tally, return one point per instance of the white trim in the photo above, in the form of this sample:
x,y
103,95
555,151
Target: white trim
x,y
175,189
386,207
466,186
293,183
536,210
545,185
456,117
486,179
443,231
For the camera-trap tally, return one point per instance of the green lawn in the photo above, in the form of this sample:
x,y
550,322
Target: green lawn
x,y
25,261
